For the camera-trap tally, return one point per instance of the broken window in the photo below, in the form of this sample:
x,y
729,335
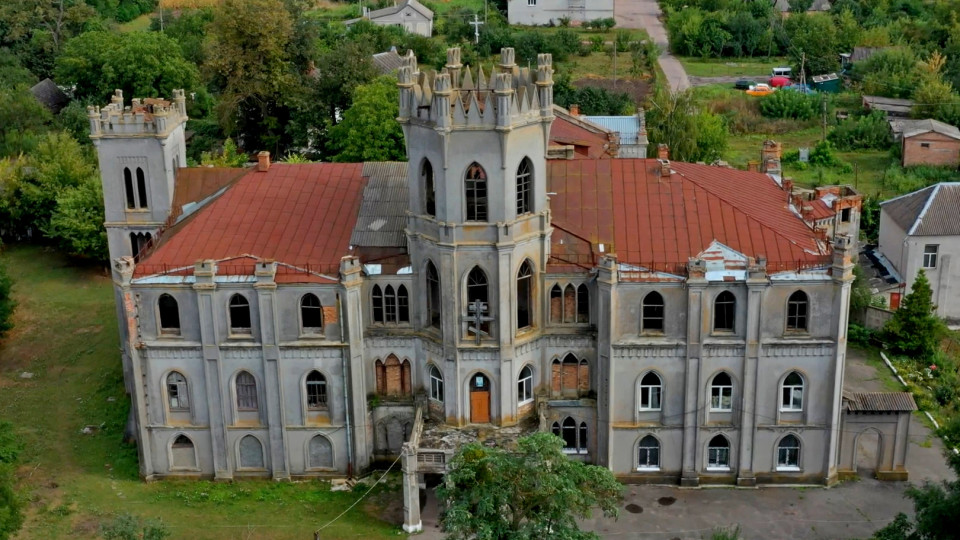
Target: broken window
x,y
429,195
433,295
169,315
648,453
525,296
651,319
797,306
476,191
311,314
246,392
177,392
239,314
724,312
524,187
316,391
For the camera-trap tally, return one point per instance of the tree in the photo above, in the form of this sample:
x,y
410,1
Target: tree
x,y
891,72
800,6
6,310
37,29
11,517
142,64
532,492
914,329
249,61
77,221
22,120
369,130
812,43
692,135
937,508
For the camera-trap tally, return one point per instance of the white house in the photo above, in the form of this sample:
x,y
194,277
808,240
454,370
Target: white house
x,y
536,12
413,16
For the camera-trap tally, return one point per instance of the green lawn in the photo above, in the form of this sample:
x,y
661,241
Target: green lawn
x,y
731,67
66,336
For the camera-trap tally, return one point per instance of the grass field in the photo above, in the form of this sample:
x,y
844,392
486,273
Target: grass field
x,y
140,24
66,336
730,67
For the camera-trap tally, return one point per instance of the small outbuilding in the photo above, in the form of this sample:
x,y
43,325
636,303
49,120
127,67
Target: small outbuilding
x,y
411,15
927,142
50,95
875,434
891,107
828,82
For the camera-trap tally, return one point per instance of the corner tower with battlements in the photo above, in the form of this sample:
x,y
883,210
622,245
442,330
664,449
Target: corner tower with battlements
x,y
478,225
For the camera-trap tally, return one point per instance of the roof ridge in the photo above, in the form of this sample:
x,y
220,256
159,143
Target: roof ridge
x,y
926,206
748,215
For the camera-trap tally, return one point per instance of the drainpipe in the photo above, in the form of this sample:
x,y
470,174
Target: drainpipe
x,y
346,392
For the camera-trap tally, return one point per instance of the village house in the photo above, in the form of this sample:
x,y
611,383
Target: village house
x,y
673,322
410,15
542,12
926,142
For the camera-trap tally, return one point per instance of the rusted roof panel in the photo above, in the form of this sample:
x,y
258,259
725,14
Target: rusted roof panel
x,y
383,213
299,215
194,184
879,401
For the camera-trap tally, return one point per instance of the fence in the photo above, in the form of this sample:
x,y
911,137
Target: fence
x,y
871,317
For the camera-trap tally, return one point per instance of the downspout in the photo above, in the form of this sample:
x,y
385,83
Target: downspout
x,y
346,392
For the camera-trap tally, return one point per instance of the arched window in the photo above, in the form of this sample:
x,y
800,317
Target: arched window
x,y
797,306
138,243
524,187
377,296
556,304
648,453
569,304
525,386
321,453
525,296
169,315
177,394
311,314
477,291
718,453
128,188
239,315
429,195
651,320
433,295
246,392
403,305
651,390
568,378
583,304
316,391
393,377
141,188
724,312
556,430
183,454
791,395
389,305
569,434
721,393
251,453
476,191
788,454
436,384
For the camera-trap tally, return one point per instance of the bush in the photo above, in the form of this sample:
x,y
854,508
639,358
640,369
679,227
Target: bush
x,y
860,335
788,104
823,155
870,131
130,527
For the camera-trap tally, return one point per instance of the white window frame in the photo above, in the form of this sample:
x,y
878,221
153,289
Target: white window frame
x,y
647,467
713,457
525,386
930,257
792,390
717,394
436,384
647,392
783,464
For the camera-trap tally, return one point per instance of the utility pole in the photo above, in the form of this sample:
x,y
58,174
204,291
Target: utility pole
x,y
476,28
614,63
823,113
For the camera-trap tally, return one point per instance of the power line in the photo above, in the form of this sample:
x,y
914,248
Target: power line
x,y
316,533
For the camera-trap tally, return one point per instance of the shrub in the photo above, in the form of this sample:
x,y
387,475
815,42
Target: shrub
x,y
6,310
130,527
787,104
860,335
596,43
870,131
823,155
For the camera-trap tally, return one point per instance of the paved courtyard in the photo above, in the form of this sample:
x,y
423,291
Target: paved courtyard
x,y
849,510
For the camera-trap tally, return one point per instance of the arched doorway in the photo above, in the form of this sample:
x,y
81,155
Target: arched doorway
x,y
479,399
868,453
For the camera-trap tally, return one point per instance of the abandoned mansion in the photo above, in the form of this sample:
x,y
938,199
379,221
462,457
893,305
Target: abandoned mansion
x,y
674,322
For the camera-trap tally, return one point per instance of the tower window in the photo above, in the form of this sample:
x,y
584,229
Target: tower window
x,y
524,187
476,191
477,291
651,320
311,314
433,295
128,188
429,193
525,296
239,315
141,188
316,391
797,306
169,315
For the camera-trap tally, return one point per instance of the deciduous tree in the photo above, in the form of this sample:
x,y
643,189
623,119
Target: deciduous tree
x,y
369,130
937,508
77,221
530,493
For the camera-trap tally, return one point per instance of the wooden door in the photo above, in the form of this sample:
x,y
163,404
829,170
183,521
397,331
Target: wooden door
x,y
479,400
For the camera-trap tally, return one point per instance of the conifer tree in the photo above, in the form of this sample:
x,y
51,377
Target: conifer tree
x,y
914,329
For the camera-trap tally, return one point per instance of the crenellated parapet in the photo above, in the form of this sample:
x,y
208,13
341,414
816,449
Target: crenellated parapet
x,y
151,117
459,96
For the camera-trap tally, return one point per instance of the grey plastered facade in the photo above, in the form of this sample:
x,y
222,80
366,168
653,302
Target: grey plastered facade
x,y
540,12
440,359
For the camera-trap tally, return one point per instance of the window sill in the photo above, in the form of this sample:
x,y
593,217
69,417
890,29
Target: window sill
x,y
575,452
324,409
788,469
240,335
642,410
800,410
718,469
648,469
435,400
169,334
524,402
311,336
185,469
721,410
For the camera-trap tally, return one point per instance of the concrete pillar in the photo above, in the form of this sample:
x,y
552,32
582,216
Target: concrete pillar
x,y
844,255
351,280
133,370
607,279
756,285
218,393
696,284
506,295
266,288
411,490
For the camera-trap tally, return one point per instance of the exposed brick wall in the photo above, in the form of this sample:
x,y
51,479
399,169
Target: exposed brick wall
x,y
942,150
584,378
570,374
330,315
555,378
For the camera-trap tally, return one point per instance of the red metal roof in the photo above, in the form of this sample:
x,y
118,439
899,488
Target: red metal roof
x,y
819,210
659,223
299,215
588,144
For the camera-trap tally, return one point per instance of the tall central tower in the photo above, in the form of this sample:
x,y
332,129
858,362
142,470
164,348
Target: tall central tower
x,y
478,228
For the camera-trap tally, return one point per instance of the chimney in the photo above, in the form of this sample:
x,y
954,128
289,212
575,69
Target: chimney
x,y
263,161
663,152
770,157
788,186
575,109
664,167
753,166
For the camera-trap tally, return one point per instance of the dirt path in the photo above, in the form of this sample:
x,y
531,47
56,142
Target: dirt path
x,y
646,14
703,81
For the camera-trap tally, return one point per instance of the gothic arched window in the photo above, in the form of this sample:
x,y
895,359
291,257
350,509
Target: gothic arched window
x,y
525,296
476,192
429,195
141,188
477,291
389,305
311,314
246,392
403,305
718,453
377,296
316,391
128,188
169,315
651,389
524,187
177,394
433,294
